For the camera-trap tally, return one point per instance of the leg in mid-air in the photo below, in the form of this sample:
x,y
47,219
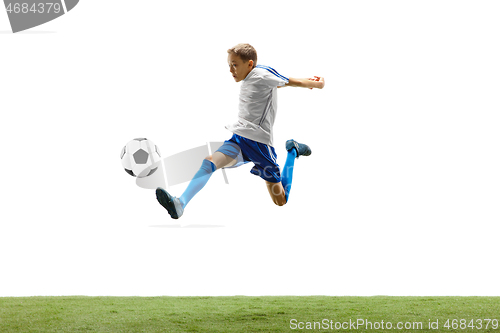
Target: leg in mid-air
x,y
210,165
175,206
280,191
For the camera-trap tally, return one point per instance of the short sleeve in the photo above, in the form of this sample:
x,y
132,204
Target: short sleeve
x,y
272,78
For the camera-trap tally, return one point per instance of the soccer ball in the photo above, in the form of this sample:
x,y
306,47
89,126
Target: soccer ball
x,y
138,156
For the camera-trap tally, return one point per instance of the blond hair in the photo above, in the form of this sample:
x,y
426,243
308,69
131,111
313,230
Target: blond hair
x,y
245,51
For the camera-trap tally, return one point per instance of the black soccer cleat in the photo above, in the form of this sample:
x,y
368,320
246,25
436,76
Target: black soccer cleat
x,y
301,148
170,203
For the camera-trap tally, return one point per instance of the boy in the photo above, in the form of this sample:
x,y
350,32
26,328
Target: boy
x,y
252,140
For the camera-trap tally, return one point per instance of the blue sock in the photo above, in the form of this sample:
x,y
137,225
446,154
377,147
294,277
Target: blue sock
x,y
198,182
287,173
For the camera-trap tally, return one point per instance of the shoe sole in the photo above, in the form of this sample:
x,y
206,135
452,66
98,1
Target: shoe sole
x,y
166,201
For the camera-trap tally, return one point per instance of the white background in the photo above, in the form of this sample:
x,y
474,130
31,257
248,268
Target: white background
x,y
400,196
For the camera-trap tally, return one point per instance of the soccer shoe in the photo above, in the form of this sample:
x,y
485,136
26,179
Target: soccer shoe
x,y
302,149
170,203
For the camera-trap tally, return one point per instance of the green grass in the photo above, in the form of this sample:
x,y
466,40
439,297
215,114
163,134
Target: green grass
x,y
238,314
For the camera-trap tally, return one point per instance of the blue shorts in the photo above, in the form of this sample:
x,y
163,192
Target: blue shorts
x,y
263,156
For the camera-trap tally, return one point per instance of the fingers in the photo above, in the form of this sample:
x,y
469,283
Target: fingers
x,y
322,82
316,78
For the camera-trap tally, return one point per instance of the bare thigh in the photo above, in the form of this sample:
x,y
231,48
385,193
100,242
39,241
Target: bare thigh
x,y
220,160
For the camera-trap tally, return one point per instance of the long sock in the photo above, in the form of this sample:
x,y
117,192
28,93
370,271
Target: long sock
x,y
198,182
287,173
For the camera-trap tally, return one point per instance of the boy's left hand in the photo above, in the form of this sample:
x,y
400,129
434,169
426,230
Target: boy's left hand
x,y
318,79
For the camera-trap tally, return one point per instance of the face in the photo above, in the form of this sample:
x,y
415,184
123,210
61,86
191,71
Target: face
x,y
238,68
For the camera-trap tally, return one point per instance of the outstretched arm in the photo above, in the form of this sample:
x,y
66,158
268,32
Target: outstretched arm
x,y
315,82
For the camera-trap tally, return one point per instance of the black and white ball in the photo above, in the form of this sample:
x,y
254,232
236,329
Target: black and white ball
x,y
138,156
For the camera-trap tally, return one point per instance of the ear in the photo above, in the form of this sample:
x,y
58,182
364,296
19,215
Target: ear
x,y
250,63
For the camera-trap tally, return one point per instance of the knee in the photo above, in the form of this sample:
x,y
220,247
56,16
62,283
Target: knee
x,y
279,201
211,166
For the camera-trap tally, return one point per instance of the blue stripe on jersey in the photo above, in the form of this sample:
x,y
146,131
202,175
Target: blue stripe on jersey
x,y
273,71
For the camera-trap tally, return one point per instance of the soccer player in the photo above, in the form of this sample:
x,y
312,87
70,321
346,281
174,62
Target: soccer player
x,y
252,139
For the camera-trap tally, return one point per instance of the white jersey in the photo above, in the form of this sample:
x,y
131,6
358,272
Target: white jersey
x,y
258,104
